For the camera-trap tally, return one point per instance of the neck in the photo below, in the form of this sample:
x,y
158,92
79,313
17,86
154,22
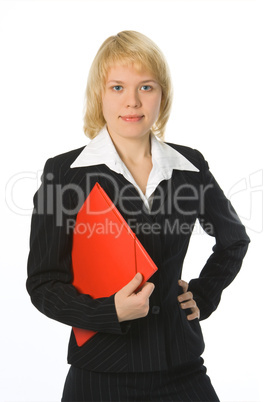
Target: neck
x,y
133,149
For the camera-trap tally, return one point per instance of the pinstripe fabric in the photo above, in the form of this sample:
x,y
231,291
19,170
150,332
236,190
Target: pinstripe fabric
x,y
164,339
187,384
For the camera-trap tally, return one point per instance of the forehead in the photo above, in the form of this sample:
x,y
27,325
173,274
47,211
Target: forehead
x,y
121,71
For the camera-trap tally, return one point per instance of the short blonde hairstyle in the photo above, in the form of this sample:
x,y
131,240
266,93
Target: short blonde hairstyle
x,y
127,47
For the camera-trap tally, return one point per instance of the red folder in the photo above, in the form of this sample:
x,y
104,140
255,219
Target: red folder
x,y
106,253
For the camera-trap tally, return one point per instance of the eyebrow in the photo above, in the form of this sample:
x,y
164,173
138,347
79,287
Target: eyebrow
x,y
122,82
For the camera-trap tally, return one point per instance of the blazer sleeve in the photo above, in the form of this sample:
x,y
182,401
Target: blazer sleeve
x,y
219,219
49,267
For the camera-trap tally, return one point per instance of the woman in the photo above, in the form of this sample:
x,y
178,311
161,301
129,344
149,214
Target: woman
x,y
149,343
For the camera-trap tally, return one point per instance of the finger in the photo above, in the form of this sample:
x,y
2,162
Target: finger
x,y
132,285
147,289
185,296
195,314
184,285
189,304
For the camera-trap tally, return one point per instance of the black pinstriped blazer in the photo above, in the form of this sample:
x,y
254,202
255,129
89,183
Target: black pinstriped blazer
x,y
164,338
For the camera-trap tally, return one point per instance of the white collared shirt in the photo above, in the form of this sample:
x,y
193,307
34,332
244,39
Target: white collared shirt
x,y
165,159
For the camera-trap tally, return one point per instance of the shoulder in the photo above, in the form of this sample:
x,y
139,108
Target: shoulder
x,y
66,157
193,155
59,165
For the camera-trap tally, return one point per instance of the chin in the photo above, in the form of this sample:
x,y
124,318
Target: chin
x,y
133,132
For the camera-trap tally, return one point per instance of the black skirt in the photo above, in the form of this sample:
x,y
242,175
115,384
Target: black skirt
x,y
188,383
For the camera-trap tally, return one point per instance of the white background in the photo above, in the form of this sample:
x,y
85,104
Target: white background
x,y
217,51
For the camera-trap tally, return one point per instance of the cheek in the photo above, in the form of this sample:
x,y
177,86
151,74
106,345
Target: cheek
x,y
106,107
156,105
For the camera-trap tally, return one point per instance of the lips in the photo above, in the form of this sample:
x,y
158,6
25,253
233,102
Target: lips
x,y
132,117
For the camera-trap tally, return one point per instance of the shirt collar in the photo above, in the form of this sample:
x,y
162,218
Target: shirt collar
x,y
101,150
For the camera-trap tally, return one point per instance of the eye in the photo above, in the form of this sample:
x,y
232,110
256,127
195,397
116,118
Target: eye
x,y
146,88
117,88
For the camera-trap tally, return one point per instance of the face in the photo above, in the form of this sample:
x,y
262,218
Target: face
x,y
130,102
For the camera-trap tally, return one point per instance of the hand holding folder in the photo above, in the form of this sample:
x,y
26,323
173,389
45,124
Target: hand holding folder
x,y
106,253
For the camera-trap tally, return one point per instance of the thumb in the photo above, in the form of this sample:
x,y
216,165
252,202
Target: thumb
x,y
133,284
147,289
183,285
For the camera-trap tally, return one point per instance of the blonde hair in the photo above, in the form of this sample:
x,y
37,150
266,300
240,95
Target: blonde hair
x,y
127,47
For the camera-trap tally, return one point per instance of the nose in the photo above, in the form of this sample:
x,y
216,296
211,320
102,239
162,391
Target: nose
x,y
133,100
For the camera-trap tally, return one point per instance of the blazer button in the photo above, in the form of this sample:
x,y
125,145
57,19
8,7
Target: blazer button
x,y
155,310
